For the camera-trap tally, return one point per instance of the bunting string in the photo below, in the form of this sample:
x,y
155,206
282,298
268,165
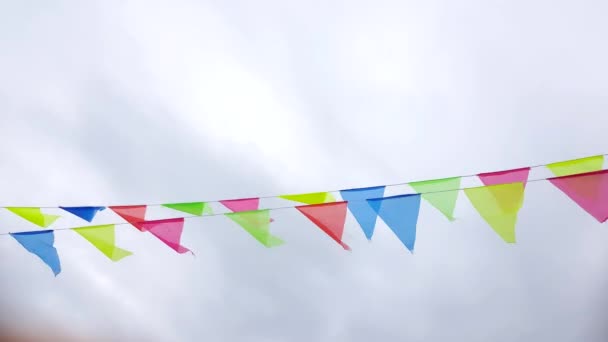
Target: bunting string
x,y
497,201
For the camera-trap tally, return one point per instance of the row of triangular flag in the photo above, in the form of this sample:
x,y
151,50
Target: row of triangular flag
x,y
498,202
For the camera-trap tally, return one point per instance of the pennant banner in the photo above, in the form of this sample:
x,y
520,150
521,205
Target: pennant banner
x,y
588,190
571,167
41,244
330,217
168,231
440,193
103,238
134,214
193,208
34,215
85,213
400,213
311,198
499,205
257,223
244,204
361,210
505,177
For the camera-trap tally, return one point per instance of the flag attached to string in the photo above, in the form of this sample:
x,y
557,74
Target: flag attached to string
x,y
257,224
41,244
134,214
498,205
361,210
329,217
34,215
168,231
440,193
311,198
193,208
243,204
400,213
588,190
504,177
582,165
85,213
103,238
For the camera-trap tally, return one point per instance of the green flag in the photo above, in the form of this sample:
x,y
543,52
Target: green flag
x,y
311,198
499,205
194,208
34,215
257,223
103,238
439,194
571,167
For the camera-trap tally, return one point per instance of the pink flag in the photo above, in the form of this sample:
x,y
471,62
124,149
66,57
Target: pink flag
x,y
243,204
588,190
505,177
330,217
168,231
134,214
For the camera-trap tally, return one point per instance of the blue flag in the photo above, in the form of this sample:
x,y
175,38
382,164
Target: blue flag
x,y
85,213
361,210
400,213
41,244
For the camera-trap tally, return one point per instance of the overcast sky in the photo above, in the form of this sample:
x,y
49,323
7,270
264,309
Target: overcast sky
x,y
130,102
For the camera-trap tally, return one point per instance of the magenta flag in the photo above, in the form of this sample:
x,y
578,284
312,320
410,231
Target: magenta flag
x,y
243,204
588,190
168,231
505,177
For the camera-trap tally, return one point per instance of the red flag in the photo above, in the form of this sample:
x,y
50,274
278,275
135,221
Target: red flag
x,y
330,217
505,177
243,204
134,214
168,231
588,190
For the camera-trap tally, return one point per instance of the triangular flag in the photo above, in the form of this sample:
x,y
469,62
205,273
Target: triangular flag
x,y
194,208
588,190
571,167
257,223
504,177
498,205
134,214
41,244
103,238
34,215
311,198
330,217
400,213
440,193
168,231
243,204
361,210
85,213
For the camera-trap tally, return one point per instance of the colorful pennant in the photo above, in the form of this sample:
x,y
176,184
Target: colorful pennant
x,y
588,190
330,217
85,213
499,205
440,193
34,215
311,198
134,214
103,238
505,177
168,231
243,204
361,210
400,213
193,208
41,244
257,223
582,165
